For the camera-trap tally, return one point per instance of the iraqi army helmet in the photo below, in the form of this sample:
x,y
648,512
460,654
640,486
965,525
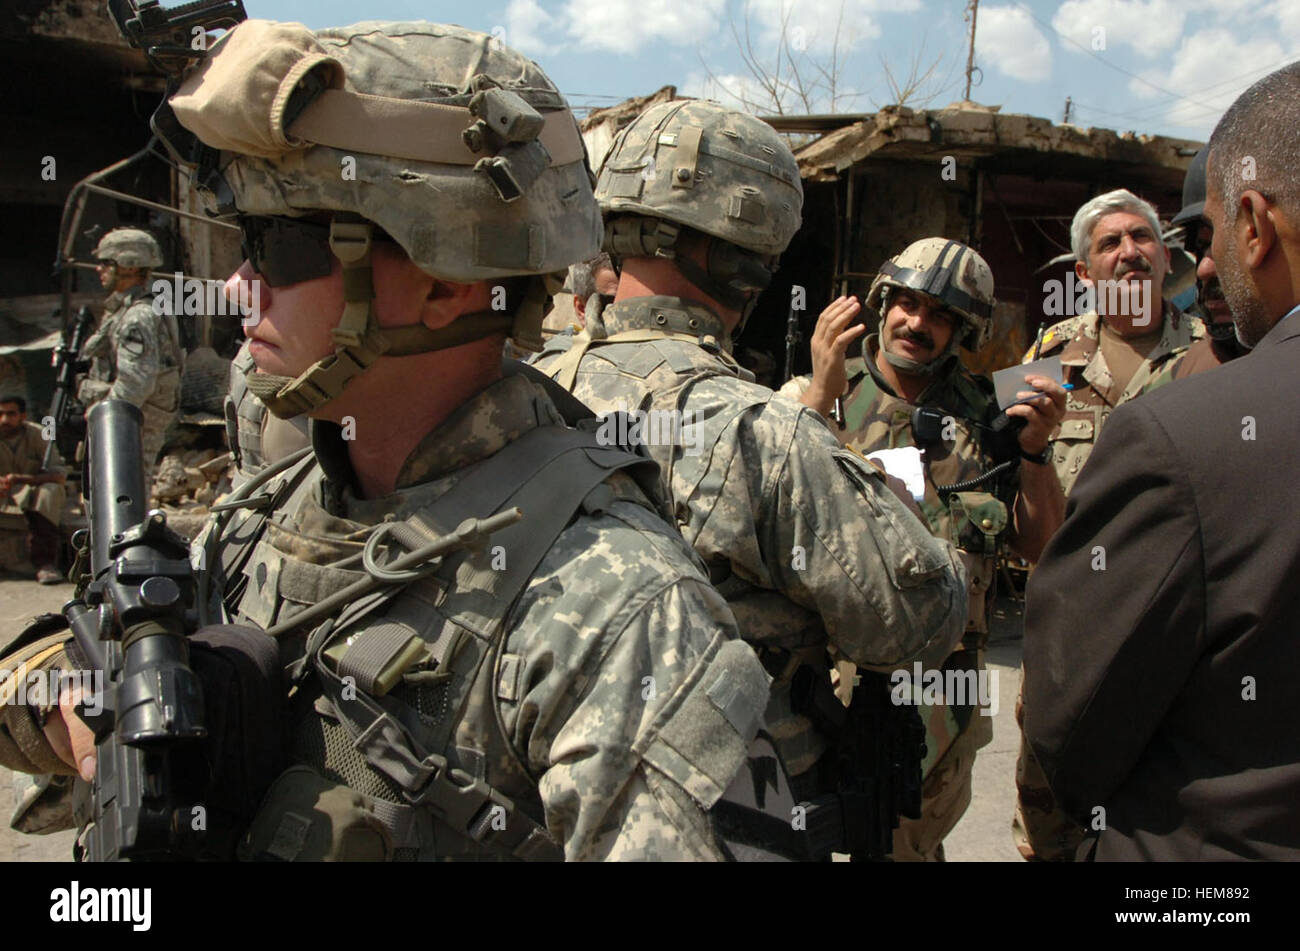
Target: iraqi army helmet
x,y
1193,191
952,273
707,167
129,247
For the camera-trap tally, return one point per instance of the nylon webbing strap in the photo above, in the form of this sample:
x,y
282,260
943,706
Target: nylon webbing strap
x,y
686,156
419,131
558,473
565,369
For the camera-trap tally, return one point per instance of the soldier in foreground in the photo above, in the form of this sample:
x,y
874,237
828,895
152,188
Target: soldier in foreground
x,y
909,388
574,690
810,547
135,354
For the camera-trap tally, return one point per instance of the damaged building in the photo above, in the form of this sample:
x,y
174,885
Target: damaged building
x,y
75,99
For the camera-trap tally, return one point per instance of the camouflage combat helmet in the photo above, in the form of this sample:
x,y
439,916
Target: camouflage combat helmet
x,y
715,170
953,274
457,148
129,247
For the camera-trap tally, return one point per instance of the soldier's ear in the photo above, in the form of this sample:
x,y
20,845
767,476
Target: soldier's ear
x,y
1081,271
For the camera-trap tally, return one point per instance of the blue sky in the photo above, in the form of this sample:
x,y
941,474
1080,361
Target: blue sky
x,y
1165,67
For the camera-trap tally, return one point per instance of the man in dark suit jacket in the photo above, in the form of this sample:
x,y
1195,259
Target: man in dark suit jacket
x,y
1162,634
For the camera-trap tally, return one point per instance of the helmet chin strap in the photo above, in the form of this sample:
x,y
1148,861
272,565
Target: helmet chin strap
x,y
359,341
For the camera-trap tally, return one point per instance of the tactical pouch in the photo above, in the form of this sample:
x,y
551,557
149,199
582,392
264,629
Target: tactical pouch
x,y
308,818
977,520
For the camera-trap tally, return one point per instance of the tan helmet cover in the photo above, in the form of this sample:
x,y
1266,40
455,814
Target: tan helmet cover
x,y
382,137
129,247
707,167
949,271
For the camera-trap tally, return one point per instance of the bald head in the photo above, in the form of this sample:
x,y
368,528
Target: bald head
x,y
1253,203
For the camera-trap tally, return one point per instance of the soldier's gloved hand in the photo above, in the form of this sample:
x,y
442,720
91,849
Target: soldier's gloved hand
x,y
1041,415
72,741
830,340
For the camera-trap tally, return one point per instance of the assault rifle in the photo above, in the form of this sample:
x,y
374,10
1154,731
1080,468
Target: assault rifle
x,y
130,621
167,34
64,361
792,337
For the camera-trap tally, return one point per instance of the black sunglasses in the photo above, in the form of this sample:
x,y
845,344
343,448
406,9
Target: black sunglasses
x,y
286,250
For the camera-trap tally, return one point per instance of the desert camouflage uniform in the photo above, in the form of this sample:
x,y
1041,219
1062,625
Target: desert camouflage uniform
x,y
809,547
1040,830
1095,394
1205,354
875,418
136,356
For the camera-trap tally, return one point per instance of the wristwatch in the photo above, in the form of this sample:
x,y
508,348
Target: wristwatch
x,y
1042,458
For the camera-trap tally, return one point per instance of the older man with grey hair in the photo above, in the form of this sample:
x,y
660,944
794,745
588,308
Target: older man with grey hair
x,y
594,283
1112,351
1124,331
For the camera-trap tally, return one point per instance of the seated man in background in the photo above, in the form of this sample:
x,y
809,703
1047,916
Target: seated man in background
x,y
28,488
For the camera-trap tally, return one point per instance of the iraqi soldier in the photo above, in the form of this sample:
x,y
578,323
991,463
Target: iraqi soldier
x,y
810,547
136,353
988,482
1110,353
1220,343
572,687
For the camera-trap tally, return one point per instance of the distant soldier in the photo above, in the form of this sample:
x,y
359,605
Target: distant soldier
x,y
136,353
988,480
1111,355
1220,344
29,487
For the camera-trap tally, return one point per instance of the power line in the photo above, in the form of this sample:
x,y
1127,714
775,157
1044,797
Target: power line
x,y
1151,110
1103,60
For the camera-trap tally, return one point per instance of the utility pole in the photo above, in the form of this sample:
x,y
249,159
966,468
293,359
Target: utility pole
x,y
971,10
1066,118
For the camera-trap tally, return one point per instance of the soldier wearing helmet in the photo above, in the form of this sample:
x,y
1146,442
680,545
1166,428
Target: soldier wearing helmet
x,y
571,685
136,353
987,484
816,556
1220,343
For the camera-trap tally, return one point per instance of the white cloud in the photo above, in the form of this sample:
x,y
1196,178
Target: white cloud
x,y
1197,71
525,23
627,26
1148,27
732,90
816,26
1007,40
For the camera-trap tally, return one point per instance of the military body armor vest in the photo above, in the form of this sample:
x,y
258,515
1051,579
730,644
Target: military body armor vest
x,y
395,735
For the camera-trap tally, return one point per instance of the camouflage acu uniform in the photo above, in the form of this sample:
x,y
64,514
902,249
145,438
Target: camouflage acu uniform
x,y
611,703
977,522
136,356
1041,831
810,548
1095,394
